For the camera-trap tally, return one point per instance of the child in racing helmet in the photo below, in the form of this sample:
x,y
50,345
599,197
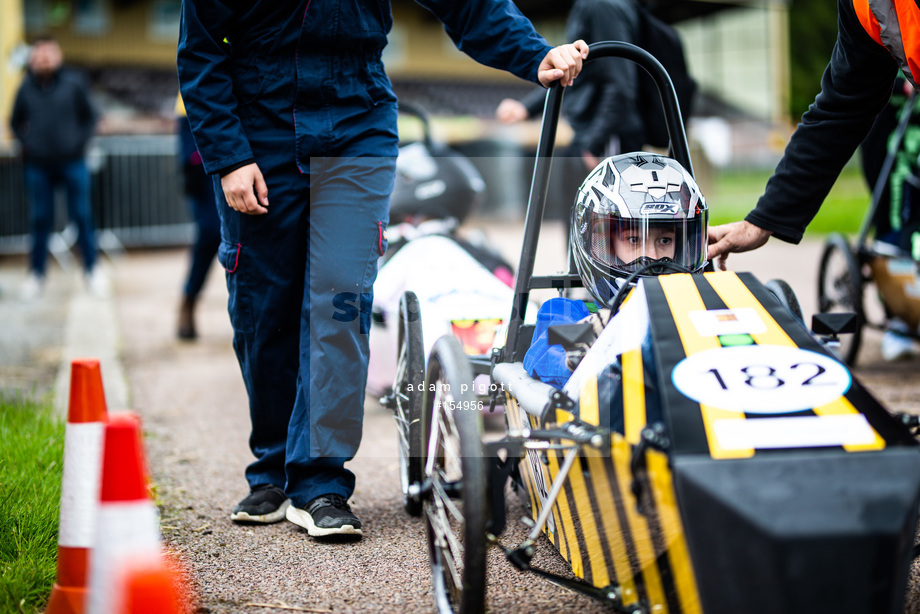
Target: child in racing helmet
x,y
636,214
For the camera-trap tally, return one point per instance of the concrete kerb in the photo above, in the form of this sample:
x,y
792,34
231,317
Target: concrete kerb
x,y
92,331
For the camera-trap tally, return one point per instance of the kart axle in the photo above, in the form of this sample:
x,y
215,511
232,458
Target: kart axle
x,y
421,491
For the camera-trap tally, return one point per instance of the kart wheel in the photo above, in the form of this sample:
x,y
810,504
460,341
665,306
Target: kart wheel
x,y
786,297
408,396
456,510
840,288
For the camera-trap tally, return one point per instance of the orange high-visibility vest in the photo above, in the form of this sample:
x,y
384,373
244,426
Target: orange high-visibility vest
x,y
894,24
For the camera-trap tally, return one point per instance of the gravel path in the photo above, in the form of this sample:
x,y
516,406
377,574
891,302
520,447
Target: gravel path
x,y
193,405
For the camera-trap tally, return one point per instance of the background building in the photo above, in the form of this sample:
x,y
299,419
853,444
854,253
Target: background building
x,y
737,50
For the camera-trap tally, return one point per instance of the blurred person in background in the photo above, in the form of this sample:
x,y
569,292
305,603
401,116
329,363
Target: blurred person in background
x,y
601,106
290,99
200,192
870,51
896,221
53,119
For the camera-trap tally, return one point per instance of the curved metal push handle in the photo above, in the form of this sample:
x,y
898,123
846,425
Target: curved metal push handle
x,y
536,204
679,149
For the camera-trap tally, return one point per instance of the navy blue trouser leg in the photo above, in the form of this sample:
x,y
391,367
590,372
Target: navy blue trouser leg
x,y
265,260
300,281
76,180
207,240
41,180
203,206
41,204
348,216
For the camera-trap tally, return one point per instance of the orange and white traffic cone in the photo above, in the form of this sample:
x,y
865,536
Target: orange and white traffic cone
x,y
155,587
128,531
83,439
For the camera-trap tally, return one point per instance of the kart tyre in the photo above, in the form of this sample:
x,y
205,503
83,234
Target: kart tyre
x,y
456,510
786,296
408,397
840,289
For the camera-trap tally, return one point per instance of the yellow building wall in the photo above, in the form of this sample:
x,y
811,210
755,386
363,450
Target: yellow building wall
x,y
11,39
418,44
128,40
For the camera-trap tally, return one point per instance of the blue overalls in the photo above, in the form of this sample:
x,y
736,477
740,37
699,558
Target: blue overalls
x,y
299,88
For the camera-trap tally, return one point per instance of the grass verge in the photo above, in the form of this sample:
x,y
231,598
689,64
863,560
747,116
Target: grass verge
x,y
735,193
31,464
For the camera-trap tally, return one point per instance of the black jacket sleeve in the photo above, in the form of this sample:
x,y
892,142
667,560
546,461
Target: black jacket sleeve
x,y
855,87
613,102
534,101
87,115
19,117
602,101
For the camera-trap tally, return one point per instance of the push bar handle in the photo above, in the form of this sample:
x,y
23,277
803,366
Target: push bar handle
x,y
679,148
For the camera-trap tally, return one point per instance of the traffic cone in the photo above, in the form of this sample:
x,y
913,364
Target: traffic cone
x,y
128,531
83,435
155,587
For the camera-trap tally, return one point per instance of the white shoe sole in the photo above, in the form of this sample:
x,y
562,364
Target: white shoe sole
x,y
303,519
276,516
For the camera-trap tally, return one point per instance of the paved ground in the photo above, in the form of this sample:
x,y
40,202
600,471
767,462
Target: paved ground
x,y
193,405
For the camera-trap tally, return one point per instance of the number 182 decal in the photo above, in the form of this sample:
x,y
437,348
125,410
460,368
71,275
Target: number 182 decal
x,y
761,379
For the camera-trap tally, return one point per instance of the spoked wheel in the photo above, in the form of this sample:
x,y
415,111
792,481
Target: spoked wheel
x,y
840,287
407,398
786,297
456,510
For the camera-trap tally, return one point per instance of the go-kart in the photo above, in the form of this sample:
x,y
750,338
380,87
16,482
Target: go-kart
x,y
460,284
846,271
751,472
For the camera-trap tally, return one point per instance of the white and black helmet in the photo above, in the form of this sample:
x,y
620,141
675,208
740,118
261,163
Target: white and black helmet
x,y
434,182
637,212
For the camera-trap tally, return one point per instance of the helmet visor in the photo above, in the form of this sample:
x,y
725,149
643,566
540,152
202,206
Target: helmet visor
x,y
629,244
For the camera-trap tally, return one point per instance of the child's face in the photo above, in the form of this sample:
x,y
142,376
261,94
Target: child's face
x,y
629,244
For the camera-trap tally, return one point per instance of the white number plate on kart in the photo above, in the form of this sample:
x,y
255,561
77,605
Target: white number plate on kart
x,y
761,379
797,432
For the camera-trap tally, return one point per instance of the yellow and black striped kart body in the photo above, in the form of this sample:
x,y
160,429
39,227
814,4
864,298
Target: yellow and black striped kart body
x,y
774,482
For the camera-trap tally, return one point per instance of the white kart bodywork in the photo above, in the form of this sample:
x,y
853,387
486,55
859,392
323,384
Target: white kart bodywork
x,y
451,285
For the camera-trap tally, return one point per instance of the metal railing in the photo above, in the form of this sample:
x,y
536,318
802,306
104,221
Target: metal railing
x,y
136,195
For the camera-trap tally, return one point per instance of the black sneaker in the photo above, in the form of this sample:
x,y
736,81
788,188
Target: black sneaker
x,y
265,504
326,515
